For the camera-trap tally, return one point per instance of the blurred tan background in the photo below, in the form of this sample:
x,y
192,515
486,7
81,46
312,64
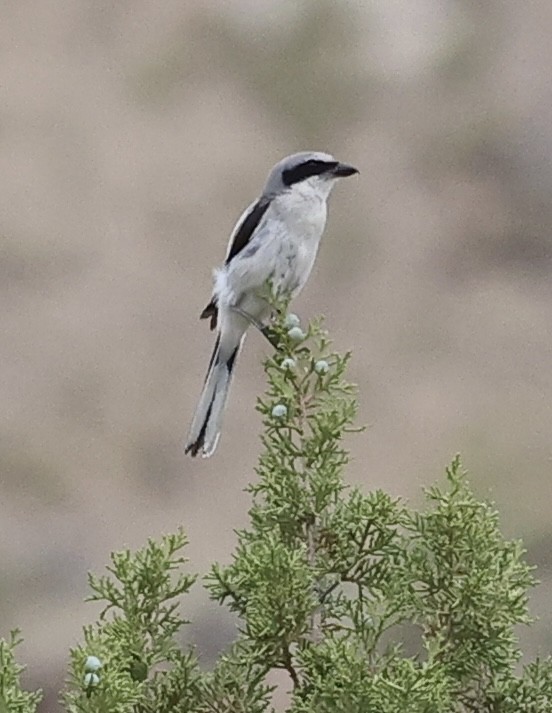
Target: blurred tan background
x,y
132,135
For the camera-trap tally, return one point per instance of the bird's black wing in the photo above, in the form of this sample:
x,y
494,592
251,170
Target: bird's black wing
x,y
243,232
246,227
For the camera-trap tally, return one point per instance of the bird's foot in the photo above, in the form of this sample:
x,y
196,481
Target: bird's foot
x,y
266,330
271,335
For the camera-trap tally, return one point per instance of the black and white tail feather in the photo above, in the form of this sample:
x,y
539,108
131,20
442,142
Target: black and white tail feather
x,y
207,421
275,240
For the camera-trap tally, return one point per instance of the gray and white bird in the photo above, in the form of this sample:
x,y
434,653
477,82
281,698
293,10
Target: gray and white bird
x,y
276,239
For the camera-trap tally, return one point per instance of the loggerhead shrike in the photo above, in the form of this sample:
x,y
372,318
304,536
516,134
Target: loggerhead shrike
x,y
275,240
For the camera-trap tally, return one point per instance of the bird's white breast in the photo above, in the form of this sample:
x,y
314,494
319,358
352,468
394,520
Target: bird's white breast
x,y
283,250
302,219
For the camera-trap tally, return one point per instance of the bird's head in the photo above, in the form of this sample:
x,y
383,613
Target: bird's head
x,y
307,171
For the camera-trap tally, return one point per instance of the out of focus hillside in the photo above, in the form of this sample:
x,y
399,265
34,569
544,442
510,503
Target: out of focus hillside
x,y
132,135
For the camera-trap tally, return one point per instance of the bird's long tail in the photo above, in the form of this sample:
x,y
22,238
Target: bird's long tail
x,y
207,422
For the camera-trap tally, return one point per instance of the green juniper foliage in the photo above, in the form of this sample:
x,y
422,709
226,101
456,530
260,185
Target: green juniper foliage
x,y
142,667
325,582
12,696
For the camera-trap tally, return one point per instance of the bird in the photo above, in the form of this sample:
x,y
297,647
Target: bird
x,y
275,241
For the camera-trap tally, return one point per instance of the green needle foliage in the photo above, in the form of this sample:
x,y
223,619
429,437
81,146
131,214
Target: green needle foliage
x,y
366,604
327,579
143,668
12,696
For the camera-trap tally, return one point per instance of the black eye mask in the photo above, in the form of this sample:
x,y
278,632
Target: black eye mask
x,y
312,167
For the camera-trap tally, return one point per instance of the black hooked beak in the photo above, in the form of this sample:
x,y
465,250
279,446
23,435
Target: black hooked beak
x,y
344,169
